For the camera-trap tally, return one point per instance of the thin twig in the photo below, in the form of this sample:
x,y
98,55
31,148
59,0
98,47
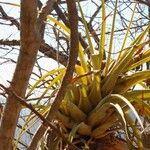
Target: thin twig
x,y
11,19
46,49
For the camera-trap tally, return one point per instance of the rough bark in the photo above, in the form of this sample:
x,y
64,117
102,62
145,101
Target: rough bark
x,y
30,43
73,20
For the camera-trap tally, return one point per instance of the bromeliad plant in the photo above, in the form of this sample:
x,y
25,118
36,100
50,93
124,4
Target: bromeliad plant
x,y
103,97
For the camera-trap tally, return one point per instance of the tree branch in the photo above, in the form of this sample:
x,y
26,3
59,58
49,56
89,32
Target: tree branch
x,y
65,21
74,46
44,48
23,102
73,20
11,19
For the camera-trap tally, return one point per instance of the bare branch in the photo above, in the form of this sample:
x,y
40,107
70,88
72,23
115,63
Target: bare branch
x,y
44,48
23,102
73,20
6,17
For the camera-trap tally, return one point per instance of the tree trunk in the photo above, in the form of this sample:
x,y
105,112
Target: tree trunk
x,y
30,43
